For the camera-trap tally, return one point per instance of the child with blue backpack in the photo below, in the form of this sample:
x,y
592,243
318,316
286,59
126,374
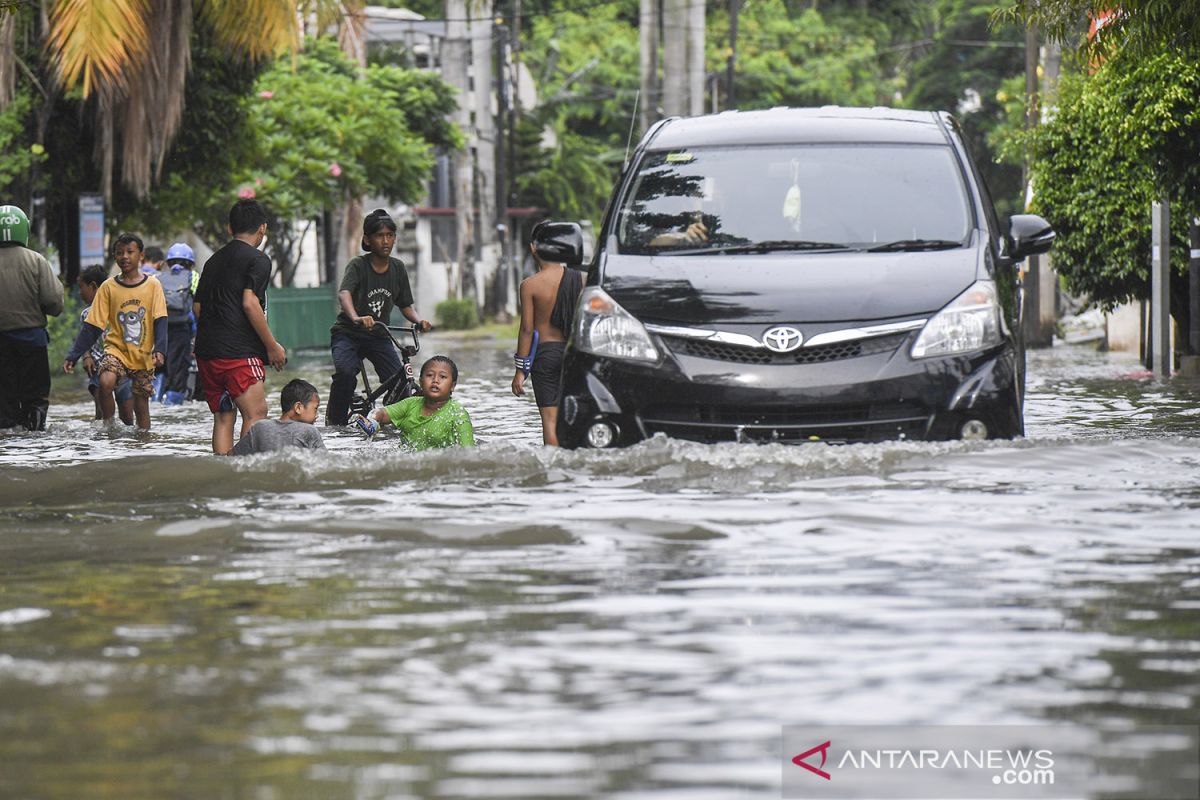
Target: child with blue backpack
x,y
89,281
178,281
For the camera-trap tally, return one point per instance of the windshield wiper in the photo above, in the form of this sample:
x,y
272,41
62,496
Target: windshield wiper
x,y
760,247
914,244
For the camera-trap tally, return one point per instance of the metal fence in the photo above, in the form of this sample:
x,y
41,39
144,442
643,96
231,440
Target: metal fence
x,y
300,318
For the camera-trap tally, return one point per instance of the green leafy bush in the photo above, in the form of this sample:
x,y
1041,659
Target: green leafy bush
x,y
457,315
1120,139
62,330
19,153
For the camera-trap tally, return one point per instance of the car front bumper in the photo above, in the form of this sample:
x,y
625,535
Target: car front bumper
x,y
876,394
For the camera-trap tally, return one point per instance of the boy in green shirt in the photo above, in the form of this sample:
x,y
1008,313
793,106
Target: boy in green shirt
x,y
432,419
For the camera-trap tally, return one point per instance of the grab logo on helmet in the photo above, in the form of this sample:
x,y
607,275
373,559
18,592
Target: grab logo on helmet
x,y
14,225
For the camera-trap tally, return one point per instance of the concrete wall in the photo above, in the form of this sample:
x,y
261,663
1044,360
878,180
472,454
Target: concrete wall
x,y
1124,328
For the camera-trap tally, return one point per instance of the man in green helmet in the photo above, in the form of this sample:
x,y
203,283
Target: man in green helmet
x,y
29,292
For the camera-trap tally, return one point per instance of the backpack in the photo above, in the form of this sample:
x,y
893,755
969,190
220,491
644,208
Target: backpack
x,y
177,286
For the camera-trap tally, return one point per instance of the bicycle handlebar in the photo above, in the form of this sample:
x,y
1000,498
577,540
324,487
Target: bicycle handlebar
x,y
413,329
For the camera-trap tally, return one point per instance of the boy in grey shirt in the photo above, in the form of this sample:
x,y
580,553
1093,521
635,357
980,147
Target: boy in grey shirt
x,y
294,428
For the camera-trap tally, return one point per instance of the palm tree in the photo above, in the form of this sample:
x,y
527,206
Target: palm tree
x,y
133,56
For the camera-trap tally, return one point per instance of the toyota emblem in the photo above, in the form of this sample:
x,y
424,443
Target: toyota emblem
x,y
782,339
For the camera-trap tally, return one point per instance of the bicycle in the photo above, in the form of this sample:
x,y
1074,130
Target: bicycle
x,y
396,388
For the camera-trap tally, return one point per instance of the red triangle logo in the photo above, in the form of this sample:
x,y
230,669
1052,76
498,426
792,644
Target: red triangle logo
x,y
800,762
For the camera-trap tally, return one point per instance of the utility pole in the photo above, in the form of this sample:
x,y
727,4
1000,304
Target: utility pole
x,y
1037,332
513,239
1189,360
502,300
455,52
683,57
648,40
1159,351
674,60
735,7
695,58
484,172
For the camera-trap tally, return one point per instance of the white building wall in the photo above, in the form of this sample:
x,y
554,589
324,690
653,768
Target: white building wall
x,y
308,270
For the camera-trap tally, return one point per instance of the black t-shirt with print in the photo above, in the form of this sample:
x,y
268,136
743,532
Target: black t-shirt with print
x,y
223,331
373,294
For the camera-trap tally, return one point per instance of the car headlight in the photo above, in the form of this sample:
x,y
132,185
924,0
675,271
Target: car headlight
x,y
603,328
970,322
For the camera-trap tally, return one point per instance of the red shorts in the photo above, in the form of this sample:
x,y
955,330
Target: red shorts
x,y
227,378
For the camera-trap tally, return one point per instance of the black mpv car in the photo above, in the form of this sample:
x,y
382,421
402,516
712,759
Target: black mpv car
x,y
825,274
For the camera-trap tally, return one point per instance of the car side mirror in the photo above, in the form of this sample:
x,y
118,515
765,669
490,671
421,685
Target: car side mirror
x,y
1028,234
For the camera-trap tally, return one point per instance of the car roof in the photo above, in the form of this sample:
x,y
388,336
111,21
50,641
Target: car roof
x,y
799,125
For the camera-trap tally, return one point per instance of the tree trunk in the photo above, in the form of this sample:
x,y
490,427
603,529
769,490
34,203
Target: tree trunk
x,y
349,215
350,237
8,57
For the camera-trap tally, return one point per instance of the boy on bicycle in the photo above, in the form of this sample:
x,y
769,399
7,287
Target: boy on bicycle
x,y
373,283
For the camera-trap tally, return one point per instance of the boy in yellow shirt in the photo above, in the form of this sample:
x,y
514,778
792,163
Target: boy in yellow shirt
x,y
133,308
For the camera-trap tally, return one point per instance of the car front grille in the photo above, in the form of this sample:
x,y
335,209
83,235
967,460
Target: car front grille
x,y
741,354
832,422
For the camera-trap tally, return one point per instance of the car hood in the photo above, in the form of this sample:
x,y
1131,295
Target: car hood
x,y
788,287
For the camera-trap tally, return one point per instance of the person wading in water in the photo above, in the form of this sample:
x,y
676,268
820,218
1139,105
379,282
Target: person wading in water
x,y
547,311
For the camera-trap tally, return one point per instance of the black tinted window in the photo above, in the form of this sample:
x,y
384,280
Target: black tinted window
x,y
855,195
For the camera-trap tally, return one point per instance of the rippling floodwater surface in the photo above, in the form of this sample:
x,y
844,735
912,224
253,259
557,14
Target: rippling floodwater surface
x,y
519,622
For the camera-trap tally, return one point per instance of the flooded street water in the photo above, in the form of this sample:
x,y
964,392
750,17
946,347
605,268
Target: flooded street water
x,y
525,623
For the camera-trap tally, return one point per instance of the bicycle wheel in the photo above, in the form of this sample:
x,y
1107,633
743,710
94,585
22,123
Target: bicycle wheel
x,y
402,390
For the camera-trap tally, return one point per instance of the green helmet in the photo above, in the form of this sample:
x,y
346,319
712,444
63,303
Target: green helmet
x,y
14,225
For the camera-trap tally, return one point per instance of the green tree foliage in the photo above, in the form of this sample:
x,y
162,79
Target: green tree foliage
x,y
572,178
63,329
300,136
197,188
322,130
20,151
963,69
1119,140
570,147
1140,28
798,57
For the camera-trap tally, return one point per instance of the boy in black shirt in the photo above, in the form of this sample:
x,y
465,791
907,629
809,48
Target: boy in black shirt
x,y
373,283
232,336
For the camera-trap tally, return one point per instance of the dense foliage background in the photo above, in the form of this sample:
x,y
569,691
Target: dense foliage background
x,y
1118,140
304,128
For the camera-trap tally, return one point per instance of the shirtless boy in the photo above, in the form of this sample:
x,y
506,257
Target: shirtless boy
x,y
547,309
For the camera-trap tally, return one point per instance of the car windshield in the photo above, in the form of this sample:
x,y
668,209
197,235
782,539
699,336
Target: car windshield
x,y
796,197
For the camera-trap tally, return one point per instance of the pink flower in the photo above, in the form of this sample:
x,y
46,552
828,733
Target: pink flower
x,y
246,193
335,169
266,95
